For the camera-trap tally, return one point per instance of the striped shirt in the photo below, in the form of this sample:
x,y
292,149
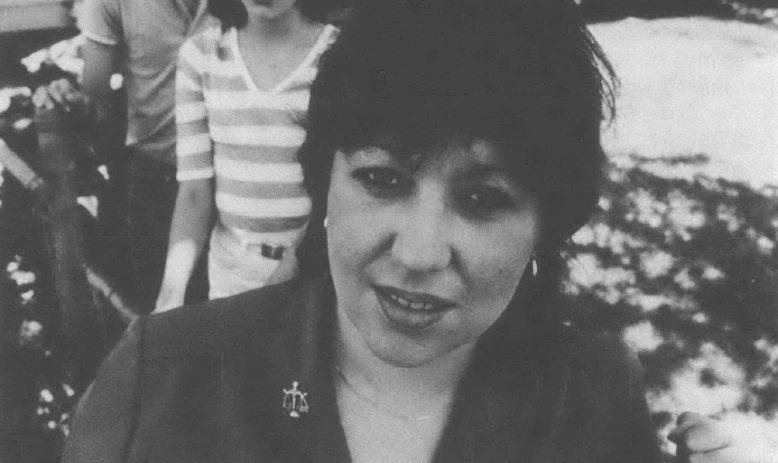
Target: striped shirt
x,y
244,137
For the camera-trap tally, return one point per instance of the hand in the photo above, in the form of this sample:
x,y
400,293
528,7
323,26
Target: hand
x,y
169,298
702,439
286,269
60,93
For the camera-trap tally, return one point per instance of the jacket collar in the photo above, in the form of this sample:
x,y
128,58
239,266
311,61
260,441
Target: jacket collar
x,y
507,391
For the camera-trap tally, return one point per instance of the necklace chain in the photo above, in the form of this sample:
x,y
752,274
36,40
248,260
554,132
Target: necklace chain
x,y
388,411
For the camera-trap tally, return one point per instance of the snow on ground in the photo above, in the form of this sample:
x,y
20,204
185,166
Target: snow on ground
x,y
696,85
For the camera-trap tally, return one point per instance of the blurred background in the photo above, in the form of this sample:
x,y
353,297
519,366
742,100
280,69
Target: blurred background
x,y
680,260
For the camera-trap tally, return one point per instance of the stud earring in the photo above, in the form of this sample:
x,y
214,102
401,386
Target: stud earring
x,y
534,266
325,221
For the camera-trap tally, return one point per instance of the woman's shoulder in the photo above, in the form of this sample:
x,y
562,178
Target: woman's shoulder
x,y
241,322
585,346
591,354
608,364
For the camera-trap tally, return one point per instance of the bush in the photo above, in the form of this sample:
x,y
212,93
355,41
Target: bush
x,y
686,271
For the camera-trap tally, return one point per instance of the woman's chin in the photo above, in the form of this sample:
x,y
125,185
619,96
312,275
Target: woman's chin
x,y
402,356
405,348
399,335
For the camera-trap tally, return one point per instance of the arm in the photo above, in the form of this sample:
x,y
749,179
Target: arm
x,y
191,226
100,61
289,265
102,26
101,23
194,212
286,269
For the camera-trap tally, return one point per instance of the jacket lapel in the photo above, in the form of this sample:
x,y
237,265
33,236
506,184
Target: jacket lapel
x,y
492,412
304,406
508,405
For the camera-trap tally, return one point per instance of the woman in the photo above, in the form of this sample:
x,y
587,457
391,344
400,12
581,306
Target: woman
x,y
452,148
240,90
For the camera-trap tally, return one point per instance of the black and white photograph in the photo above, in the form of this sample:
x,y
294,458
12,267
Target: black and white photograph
x,y
389,231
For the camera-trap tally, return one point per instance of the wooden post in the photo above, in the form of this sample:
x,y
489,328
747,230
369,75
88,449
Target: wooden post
x,y
76,335
43,195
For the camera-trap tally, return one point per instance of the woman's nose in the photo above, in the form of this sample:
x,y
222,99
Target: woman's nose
x,y
422,242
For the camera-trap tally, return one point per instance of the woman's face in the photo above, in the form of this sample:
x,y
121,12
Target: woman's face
x,y
425,259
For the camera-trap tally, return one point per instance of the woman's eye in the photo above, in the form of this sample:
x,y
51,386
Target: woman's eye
x,y
486,201
381,181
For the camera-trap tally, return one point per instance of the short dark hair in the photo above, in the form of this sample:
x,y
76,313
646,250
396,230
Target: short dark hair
x,y
525,74
232,13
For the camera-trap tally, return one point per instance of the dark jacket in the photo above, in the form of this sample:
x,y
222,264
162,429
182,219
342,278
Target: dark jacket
x,y
206,384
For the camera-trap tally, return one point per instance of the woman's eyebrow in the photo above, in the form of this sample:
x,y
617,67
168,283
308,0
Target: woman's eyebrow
x,y
369,150
497,172
375,152
487,170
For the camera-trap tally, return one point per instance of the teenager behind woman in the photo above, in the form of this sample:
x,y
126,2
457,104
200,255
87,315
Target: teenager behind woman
x,y
240,91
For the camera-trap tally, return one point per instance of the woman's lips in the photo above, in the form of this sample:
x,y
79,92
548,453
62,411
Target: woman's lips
x,y
409,311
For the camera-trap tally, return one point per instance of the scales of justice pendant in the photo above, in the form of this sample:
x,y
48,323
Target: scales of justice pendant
x,y
294,401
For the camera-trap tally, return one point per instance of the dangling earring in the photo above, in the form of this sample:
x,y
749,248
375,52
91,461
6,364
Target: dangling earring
x,y
325,221
534,265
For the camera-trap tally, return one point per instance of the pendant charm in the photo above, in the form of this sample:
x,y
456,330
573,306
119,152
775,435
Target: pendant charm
x,y
294,401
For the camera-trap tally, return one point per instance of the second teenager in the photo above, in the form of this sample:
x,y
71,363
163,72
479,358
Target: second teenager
x,y
240,92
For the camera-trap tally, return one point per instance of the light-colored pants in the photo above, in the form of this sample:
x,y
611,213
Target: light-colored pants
x,y
235,267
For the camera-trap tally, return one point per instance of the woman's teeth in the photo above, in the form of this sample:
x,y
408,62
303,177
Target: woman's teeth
x,y
410,304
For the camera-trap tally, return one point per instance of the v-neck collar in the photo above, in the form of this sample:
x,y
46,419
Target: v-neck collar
x,y
200,15
321,42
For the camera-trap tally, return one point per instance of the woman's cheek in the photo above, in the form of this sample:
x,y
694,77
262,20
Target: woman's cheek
x,y
500,281
352,233
500,265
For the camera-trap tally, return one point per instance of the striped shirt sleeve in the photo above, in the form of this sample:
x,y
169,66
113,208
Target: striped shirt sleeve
x,y
194,148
